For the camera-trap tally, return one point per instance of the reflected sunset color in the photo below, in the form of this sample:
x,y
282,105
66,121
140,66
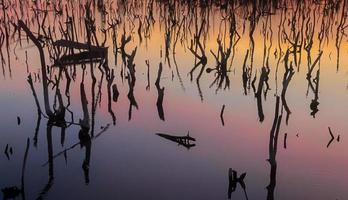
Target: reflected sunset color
x,y
243,99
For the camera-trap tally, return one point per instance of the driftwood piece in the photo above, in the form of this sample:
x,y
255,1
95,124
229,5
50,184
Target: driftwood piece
x,y
181,140
80,58
78,45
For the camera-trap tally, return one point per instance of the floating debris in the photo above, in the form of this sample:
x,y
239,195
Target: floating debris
x,y
91,53
181,140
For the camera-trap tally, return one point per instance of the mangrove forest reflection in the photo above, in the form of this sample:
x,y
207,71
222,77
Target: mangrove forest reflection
x,y
95,53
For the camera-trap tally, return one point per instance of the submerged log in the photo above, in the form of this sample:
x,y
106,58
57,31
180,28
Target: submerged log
x,y
78,45
80,58
91,53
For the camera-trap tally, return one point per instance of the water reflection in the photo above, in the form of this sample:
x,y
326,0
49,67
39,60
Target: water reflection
x,y
91,54
160,92
273,147
313,84
234,180
14,191
202,61
180,140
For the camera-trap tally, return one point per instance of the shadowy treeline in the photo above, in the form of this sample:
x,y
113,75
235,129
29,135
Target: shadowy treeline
x,y
104,36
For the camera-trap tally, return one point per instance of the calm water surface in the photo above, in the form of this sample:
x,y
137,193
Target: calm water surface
x,y
278,83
